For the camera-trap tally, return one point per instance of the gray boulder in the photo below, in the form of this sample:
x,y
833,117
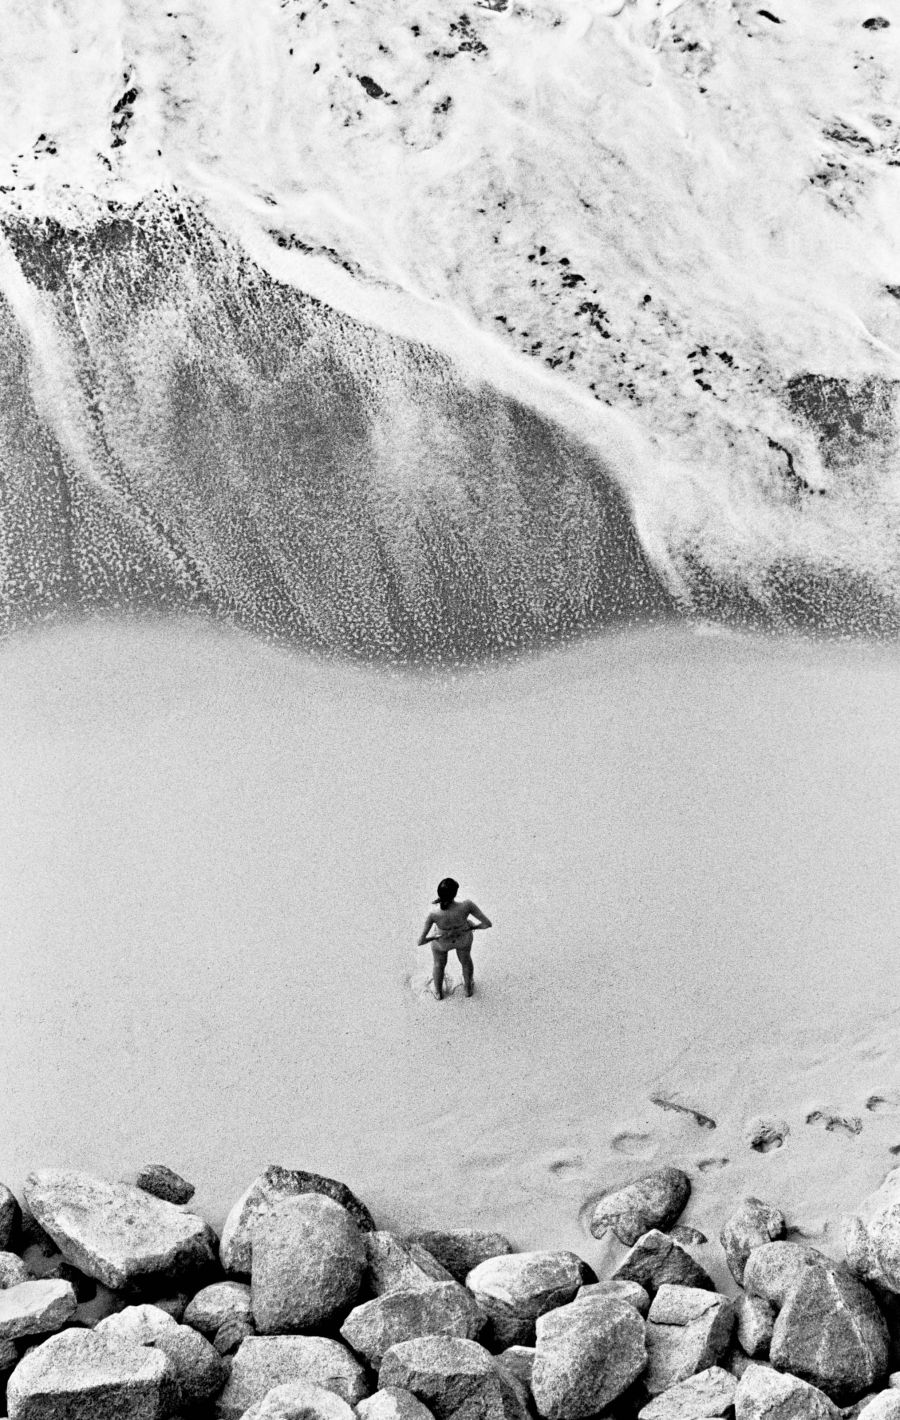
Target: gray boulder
x,y
12,1270
299,1400
752,1225
263,1362
461,1249
885,1406
653,1201
199,1369
212,1306
515,1289
445,1309
163,1182
35,1308
79,1375
453,1377
272,1187
10,1216
773,1269
831,1333
755,1321
587,1354
115,1232
231,1333
872,1237
657,1260
764,1394
308,1264
688,1330
631,1292
395,1265
392,1403
709,1393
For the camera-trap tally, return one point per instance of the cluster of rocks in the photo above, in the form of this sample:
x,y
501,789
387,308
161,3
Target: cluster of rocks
x,y
116,1303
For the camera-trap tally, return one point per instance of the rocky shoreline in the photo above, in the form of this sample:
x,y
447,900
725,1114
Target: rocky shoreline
x,y
118,1303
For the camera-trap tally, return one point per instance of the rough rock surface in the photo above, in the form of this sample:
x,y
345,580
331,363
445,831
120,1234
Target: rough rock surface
x,y
264,1192
392,1403
872,1238
79,1375
656,1259
709,1393
214,1305
308,1264
453,1377
587,1354
230,1335
755,1320
115,1232
163,1182
773,1269
445,1309
515,1289
752,1225
519,1361
461,1249
831,1333
395,1265
263,1362
653,1201
34,1308
12,1270
299,1400
9,1216
631,1292
885,1406
199,1369
688,1330
764,1394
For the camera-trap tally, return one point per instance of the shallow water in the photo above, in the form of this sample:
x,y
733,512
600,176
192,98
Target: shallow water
x,y
216,857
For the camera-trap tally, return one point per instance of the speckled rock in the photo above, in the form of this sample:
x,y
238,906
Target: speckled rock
x,y
12,1270
764,1394
755,1320
657,1260
34,1308
631,1292
9,1356
587,1354
308,1264
214,1305
654,1200
885,1406
105,1302
688,1330
115,1232
709,1393
79,1375
515,1289
392,1403
519,1361
10,1216
453,1377
163,1182
263,1362
396,1265
272,1187
445,1309
461,1249
299,1400
773,1269
831,1333
872,1237
231,1333
751,1225
199,1369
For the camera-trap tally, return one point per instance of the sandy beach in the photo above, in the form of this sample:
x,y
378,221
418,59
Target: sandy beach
x,y
216,857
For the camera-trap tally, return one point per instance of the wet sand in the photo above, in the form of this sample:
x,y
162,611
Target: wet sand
x,y
216,857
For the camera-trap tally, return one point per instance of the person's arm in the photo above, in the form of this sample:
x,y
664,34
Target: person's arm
x,y
482,921
429,923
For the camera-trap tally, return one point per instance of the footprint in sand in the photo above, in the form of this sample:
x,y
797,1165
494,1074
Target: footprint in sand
x,y
764,1133
703,1120
886,1102
848,1124
633,1145
564,1163
710,1165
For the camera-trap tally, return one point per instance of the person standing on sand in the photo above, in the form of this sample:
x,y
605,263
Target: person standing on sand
x,y
453,931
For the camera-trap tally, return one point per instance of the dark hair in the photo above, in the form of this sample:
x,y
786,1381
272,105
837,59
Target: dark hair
x,y
447,890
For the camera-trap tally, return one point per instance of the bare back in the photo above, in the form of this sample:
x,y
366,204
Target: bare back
x,y
453,920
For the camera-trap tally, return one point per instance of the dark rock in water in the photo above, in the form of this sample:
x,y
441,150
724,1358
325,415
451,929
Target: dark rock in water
x,y
459,1250
453,1378
308,1264
831,1333
214,1305
263,1362
588,1353
445,1309
79,1375
657,1259
10,1217
163,1182
752,1225
653,1201
271,1187
709,1393
35,1308
394,1264
515,1289
764,1394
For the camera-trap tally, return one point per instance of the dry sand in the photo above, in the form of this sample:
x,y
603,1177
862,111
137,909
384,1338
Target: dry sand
x,y
216,857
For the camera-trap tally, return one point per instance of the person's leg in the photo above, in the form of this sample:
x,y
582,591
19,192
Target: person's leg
x,y
468,971
439,960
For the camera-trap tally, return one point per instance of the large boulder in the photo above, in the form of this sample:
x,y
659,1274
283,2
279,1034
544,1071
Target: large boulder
x,y
299,1400
587,1354
688,1330
513,1290
79,1375
445,1309
872,1237
263,1362
831,1333
885,1406
115,1232
35,1308
773,1269
392,1403
631,1292
461,1249
397,1265
10,1217
164,1183
308,1264
199,1369
212,1306
453,1377
12,1270
764,1394
653,1201
657,1260
709,1393
752,1225
272,1187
